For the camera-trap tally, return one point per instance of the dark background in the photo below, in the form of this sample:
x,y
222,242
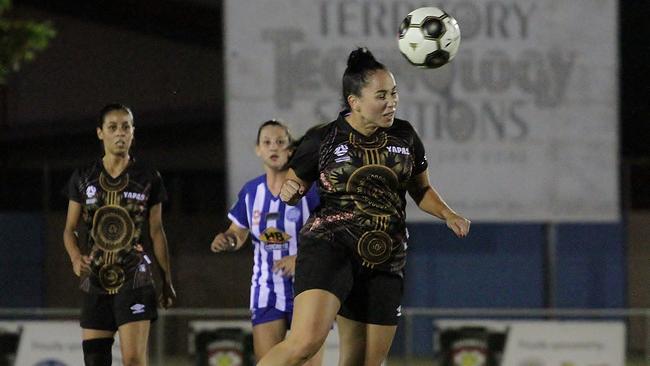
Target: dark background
x,y
635,79
634,103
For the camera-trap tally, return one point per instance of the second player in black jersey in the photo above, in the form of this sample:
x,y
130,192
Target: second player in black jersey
x,y
353,248
114,211
113,198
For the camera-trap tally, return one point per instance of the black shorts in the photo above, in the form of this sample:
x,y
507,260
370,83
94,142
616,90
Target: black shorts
x,y
368,296
108,312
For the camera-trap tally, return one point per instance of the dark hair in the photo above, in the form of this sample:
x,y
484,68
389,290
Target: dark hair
x,y
274,122
110,108
361,64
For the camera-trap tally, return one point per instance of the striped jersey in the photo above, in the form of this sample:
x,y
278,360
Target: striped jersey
x,y
274,228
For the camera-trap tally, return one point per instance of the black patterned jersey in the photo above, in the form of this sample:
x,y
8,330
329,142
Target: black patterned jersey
x,y
362,183
114,211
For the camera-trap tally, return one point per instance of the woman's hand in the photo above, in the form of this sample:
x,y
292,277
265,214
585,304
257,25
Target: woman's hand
x,y
167,295
458,224
224,242
285,265
291,192
81,265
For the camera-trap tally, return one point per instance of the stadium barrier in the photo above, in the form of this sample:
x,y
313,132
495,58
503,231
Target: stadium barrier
x,y
423,334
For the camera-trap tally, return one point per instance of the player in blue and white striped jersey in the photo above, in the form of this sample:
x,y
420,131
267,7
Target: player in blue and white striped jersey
x,y
274,228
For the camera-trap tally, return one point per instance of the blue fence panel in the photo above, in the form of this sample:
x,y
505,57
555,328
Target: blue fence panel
x,y
591,266
502,265
22,282
497,265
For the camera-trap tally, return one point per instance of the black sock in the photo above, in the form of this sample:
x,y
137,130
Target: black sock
x,y
97,352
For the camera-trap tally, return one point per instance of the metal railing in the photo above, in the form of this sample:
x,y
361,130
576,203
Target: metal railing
x,y
409,314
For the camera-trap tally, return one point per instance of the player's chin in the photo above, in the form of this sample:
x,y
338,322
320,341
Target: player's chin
x,y
278,165
387,120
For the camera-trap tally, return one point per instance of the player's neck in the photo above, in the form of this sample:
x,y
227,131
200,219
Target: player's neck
x,y
115,164
358,124
275,179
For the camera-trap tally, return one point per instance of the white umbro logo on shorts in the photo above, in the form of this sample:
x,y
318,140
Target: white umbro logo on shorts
x,y
399,310
137,308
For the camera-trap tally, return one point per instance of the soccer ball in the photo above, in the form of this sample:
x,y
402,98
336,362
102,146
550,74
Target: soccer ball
x,y
429,37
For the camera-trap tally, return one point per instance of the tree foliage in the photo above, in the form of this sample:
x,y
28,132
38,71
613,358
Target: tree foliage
x,y
20,40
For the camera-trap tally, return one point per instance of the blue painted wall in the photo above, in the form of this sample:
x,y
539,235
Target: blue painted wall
x,y
591,262
22,259
496,266
502,266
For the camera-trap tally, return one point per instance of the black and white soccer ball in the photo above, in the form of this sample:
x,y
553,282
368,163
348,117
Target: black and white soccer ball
x,y
429,37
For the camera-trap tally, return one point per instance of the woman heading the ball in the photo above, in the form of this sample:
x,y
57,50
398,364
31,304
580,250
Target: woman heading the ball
x,y
353,248
113,197
274,228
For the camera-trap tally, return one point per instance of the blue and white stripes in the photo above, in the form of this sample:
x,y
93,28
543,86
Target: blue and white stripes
x,y
259,211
